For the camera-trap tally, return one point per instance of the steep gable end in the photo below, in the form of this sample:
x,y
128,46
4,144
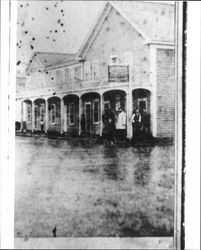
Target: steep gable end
x,y
97,26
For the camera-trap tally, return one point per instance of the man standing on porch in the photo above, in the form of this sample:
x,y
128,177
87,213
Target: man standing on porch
x,y
121,124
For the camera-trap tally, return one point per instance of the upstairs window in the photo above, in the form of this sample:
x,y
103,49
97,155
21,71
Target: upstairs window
x,y
72,73
53,113
96,111
72,113
59,76
77,72
67,75
87,70
95,68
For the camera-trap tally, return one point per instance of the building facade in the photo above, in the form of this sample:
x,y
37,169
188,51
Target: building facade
x,y
127,60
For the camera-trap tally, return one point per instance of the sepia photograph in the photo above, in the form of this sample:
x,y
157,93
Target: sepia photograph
x,y
98,124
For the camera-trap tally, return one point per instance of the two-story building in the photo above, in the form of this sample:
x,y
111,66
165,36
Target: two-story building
x,y
127,60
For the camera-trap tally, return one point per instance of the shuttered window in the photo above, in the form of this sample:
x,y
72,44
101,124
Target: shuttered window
x,y
28,113
95,68
53,113
87,70
96,111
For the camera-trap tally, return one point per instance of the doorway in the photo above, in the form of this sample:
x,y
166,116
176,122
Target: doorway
x,y
88,116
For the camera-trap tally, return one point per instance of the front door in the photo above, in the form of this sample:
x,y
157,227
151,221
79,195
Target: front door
x,y
88,117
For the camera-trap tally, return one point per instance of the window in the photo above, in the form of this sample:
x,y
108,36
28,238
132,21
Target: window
x,y
53,113
118,102
142,103
77,72
42,111
106,105
58,76
72,113
87,69
71,73
67,75
95,68
96,111
28,113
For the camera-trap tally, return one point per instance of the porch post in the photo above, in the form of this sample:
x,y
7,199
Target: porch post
x,y
62,115
129,113
46,116
65,118
153,80
22,114
80,114
101,113
33,117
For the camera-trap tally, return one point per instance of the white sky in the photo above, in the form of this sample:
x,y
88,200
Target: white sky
x,y
53,26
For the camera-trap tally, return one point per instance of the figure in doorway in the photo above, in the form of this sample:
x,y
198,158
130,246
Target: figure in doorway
x,y
145,124
136,124
108,119
121,124
42,125
83,124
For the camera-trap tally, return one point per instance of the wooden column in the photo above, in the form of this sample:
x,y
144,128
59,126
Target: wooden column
x,y
129,113
33,116
80,114
22,114
101,113
46,116
62,115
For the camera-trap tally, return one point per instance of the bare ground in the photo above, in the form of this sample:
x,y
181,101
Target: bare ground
x,y
91,190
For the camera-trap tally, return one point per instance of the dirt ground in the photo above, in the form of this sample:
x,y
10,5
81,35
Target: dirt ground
x,y
87,189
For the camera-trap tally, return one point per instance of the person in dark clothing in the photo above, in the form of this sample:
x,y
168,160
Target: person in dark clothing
x,y
83,123
42,124
108,119
54,232
136,123
145,124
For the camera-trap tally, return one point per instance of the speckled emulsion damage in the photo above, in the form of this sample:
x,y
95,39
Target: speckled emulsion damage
x,y
95,124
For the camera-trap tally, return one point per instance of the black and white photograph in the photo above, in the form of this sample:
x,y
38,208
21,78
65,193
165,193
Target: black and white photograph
x,y
99,124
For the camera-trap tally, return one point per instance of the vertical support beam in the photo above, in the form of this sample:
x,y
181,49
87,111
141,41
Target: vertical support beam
x,y
129,108
101,113
65,118
46,116
33,117
62,115
22,115
153,80
80,114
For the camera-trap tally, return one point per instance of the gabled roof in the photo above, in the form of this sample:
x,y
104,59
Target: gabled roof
x,y
49,59
154,21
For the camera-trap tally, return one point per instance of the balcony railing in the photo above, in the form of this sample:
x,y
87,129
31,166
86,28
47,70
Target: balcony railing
x,y
114,75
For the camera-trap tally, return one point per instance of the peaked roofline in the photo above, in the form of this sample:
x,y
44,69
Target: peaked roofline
x,y
34,55
98,24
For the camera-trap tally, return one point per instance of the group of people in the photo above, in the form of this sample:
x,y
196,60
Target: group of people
x,y
140,123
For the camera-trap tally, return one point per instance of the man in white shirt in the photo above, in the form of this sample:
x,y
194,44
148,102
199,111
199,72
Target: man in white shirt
x,y
121,124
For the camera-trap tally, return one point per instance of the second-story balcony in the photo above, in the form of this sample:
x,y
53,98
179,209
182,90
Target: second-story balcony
x,y
112,76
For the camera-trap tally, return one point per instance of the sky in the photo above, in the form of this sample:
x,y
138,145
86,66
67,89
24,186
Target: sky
x,y
53,26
